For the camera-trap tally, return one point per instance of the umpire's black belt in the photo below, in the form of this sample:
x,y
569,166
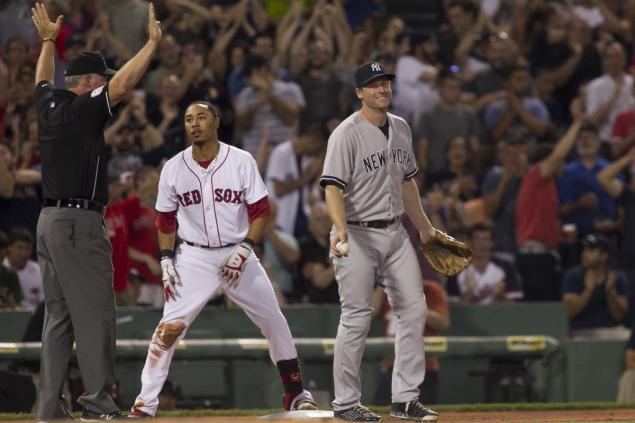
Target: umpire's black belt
x,y
207,247
75,203
378,224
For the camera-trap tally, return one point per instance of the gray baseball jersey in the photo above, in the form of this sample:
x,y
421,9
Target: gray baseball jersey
x,y
369,170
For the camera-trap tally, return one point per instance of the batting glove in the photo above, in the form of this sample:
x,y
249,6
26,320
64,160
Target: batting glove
x,y
233,266
170,279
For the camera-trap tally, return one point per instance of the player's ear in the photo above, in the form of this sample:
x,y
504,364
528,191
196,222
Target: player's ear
x,y
358,91
216,122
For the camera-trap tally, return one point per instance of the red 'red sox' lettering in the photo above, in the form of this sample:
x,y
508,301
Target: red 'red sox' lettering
x,y
227,196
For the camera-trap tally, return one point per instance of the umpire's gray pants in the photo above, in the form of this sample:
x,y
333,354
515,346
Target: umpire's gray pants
x,y
385,254
74,254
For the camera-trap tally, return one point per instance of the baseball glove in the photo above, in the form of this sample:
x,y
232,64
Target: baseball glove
x,y
445,254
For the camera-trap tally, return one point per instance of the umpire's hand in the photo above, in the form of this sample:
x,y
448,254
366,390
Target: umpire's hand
x,y
45,28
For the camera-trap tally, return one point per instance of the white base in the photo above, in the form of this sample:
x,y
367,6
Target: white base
x,y
300,415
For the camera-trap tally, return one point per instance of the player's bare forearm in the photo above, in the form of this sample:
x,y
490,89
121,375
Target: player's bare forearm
x,y
166,241
257,228
335,206
414,210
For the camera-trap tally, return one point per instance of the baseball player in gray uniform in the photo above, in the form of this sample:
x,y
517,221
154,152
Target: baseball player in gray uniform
x,y
368,184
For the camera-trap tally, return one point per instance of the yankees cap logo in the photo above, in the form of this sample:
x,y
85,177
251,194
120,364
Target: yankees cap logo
x,y
375,67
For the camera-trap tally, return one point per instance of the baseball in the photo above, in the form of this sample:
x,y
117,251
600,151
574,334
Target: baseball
x,y
342,246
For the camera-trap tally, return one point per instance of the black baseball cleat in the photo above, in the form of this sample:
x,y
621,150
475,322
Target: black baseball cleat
x,y
357,414
413,410
92,416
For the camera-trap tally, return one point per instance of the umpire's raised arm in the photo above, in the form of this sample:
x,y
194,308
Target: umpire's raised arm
x,y
122,84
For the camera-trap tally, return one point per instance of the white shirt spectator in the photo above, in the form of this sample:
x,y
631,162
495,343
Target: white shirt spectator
x,y
600,91
31,283
283,166
265,120
412,96
485,282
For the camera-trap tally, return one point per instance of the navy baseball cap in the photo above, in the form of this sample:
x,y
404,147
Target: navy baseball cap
x,y
596,241
369,71
88,62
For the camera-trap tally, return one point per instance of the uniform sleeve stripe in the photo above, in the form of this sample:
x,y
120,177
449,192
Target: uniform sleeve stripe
x,y
412,174
332,180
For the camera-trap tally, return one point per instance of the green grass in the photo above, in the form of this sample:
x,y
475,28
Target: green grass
x,y
457,408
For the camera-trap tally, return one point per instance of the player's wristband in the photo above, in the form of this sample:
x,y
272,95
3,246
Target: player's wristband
x,y
48,39
166,254
250,242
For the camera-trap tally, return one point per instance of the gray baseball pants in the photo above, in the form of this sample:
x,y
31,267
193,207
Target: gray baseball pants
x,y
74,254
386,255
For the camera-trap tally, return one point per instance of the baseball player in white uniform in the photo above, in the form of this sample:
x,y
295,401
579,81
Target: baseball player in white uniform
x,y
216,195
368,183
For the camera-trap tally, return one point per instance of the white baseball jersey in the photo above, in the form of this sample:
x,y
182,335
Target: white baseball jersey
x,y
211,204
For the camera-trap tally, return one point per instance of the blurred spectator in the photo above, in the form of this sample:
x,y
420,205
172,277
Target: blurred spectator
x,y
537,225
317,275
455,42
500,190
15,20
623,133
18,260
595,296
517,115
293,166
129,20
583,201
483,281
281,251
447,120
169,55
266,103
144,246
10,291
625,192
415,92
611,93
626,385
545,87
437,321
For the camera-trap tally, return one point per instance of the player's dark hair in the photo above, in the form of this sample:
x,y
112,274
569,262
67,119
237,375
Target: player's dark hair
x,y
209,106
4,240
480,227
20,234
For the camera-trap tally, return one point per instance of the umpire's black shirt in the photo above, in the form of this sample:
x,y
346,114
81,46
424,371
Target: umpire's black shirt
x,y
72,146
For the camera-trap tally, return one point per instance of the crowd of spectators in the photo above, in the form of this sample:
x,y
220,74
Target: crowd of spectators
x,y
522,115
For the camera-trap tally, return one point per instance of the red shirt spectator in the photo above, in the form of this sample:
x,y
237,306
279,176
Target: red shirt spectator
x,y
143,237
119,219
537,210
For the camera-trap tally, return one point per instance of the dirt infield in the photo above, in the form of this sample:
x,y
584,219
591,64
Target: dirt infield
x,y
618,415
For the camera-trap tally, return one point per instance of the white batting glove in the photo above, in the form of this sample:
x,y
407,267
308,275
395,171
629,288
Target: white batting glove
x,y
170,279
233,265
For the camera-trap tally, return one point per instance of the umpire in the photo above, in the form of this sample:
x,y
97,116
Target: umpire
x,y
73,248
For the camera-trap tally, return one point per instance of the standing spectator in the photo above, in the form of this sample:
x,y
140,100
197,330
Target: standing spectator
x,y
10,290
267,104
537,225
456,41
19,260
293,166
609,179
437,321
483,281
500,190
583,201
518,115
415,92
623,134
447,120
73,247
169,55
317,275
595,296
611,93
129,20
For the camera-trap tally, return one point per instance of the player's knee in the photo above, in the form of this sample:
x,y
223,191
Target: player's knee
x,y
416,311
165,336
359,318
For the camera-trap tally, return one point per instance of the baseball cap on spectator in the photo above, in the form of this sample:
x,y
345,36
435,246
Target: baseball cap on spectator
x,y
596,241
88,62
588,126
369,71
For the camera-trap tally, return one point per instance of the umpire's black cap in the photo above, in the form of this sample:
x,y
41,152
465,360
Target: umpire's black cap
x,y
369,71
88,62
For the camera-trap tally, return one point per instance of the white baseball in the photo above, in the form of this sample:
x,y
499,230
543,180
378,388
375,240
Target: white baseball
x,y
342,247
